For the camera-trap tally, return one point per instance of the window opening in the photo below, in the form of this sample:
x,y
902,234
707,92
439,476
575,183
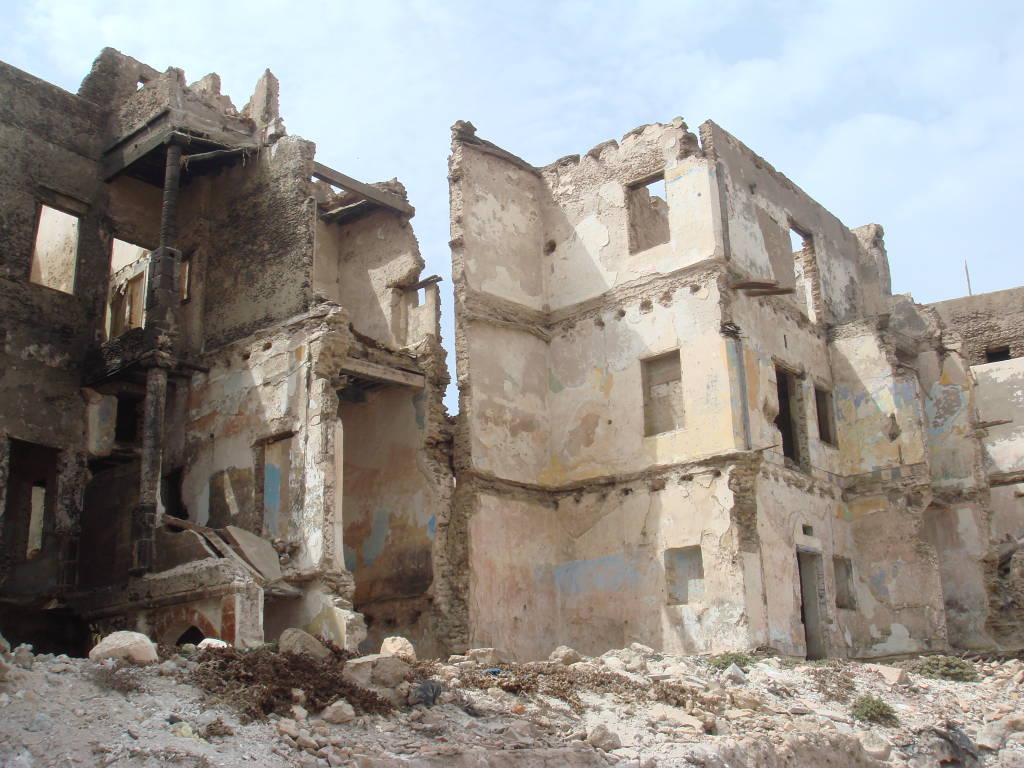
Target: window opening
x,y
663,393
55,252
171,494
274,461
786,421
808,530
997,354
843,571
126,425
126,305
27,517
826,416
185,278
647,206
35,523
684,575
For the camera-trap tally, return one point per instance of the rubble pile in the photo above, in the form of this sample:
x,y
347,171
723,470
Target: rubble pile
x,y
221,706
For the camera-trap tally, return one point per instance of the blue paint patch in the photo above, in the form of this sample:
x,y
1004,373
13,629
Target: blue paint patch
x,y
554,384
600,574
271,495
351,559
879,584
373,546
432,526
417,404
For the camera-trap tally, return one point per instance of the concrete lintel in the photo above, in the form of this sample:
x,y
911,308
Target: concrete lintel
x,y
364,369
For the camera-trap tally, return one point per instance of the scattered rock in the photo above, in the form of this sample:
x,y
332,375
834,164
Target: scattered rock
x,y
338,712
891,675
132,646
487,656
301,642
376,670
400,647
563,654
994,734
288,727
23,657
5,647
874,745
212,642
676,717
734,674
601,738
299,712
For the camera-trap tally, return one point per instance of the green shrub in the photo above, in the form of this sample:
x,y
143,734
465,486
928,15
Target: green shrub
x,y
722,660
873,710
944,668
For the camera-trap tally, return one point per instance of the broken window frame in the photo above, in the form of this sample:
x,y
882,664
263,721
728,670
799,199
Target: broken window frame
x,y
795,447
35,267
127,310
637,205
647,365
684,585
824,408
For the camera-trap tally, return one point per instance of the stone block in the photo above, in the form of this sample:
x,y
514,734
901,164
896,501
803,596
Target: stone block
x,y
133,646
297,641
344,628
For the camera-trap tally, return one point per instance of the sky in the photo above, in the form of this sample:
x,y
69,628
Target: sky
x,y
906,114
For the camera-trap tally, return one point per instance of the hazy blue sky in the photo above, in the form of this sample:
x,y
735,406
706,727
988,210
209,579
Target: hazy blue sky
x,y
902,113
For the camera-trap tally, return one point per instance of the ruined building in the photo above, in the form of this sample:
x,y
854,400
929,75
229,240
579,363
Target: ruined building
x,y
212,345
692,413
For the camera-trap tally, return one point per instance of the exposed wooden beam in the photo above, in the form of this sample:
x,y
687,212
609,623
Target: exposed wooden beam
x,y
120,156
364,369
379,196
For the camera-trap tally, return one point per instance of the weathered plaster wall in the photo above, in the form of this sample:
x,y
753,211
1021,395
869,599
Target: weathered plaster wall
x,y
986,321
259,268
586,215
838,282
595,394
390,510
999,396
362,264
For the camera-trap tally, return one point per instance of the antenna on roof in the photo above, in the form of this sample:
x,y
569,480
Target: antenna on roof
x,y
968,273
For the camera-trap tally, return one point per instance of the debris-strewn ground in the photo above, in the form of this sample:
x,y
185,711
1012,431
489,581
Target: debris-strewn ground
x,y
630,707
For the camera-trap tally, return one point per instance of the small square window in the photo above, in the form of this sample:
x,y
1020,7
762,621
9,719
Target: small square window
x,y
647,205
997,354
826,416
684,575
55,254
663,393
808,530
842,569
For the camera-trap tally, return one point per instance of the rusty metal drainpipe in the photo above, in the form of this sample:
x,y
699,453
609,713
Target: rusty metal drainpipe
x,y
159,330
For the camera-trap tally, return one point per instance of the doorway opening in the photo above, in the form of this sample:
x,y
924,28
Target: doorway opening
x,y
811,587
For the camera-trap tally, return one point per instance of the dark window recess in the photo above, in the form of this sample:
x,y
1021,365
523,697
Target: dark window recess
x,y
684,575
826,416
126,428
786,421
808,530
171,496
997,354
28,512
663,393
843,570
191,635
647,205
